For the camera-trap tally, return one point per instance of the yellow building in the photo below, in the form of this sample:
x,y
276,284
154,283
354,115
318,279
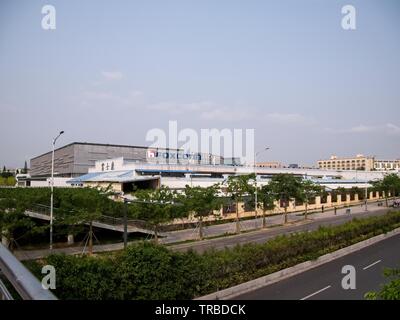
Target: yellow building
x,y
387,165
360,162
269,164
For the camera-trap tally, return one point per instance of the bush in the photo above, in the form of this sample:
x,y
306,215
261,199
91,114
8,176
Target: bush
x,y
389,291
149,271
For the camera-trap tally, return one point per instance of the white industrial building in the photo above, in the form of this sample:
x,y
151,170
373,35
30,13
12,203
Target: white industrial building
x,y
123,174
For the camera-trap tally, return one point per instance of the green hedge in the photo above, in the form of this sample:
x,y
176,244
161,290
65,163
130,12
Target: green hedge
x,y
149,271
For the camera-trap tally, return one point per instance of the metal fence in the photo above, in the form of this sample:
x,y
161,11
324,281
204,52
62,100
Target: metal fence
x,y
140,224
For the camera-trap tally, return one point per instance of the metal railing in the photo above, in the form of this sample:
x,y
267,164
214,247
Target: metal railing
x,y
113,221
24,282
4,293
140,224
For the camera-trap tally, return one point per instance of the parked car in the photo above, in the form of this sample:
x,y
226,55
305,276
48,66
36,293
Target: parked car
x,y
396,204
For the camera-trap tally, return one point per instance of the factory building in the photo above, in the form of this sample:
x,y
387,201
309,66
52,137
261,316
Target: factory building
x,y
76,158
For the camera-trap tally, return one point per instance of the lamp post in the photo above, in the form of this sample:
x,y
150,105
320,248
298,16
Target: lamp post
x,y
52,187
126,201
366,191
255,183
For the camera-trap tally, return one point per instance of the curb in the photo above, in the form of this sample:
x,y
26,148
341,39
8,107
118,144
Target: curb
x,y
251,285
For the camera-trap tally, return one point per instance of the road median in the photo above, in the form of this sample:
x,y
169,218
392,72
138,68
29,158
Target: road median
x,y
255,284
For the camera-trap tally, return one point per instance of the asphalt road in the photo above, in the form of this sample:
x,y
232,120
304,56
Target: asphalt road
x,y
324,282
263,235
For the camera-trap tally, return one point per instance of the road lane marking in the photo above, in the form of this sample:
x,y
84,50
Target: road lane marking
x,y
371,265
315,293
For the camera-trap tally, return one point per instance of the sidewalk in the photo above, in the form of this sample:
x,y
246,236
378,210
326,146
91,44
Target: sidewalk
x,y
209,231
246,225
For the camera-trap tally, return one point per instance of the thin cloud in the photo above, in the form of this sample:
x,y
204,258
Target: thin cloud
x,y
206,110
289,118
209,110
388,129
179,108
110,99
112,75
363,129
393,129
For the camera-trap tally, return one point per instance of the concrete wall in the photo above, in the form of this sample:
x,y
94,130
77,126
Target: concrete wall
x,y
342,201
63,163
76,159
115,186
85,155
58,182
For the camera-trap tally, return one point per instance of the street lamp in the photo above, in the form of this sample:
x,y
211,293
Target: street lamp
x,y
255,182
52,187
366,191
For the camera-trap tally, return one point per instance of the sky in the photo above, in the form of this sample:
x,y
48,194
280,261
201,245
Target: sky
x,y
113,70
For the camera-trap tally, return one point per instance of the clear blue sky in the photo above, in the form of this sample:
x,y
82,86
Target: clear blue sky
x,y
112,70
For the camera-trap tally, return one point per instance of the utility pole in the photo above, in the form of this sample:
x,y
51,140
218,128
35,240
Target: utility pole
x,y
52,190
366,191
255,184
125,225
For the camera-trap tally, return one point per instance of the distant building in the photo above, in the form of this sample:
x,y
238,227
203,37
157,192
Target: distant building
x,y
236,161
387,165
269,164
360,162
124,175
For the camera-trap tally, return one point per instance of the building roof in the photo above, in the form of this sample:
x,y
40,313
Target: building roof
x,y
358,156
110,176
103,145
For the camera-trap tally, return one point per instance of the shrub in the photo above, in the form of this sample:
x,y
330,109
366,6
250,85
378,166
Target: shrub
x,y
150,271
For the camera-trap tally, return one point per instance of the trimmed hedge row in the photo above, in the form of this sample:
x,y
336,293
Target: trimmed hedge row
x,y
149,271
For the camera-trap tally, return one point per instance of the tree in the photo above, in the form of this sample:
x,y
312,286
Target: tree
x,y
286,187
201,202
73,208
309,191
78,207
390,183
390,290
13,204
155,206
358,191
266,199
238,187
25,171
5,173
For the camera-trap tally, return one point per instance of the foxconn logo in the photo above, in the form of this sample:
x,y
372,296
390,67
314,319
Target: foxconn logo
x,y
151,153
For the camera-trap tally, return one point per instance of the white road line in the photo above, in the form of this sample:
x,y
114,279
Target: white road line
x,y
371,265
315,293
